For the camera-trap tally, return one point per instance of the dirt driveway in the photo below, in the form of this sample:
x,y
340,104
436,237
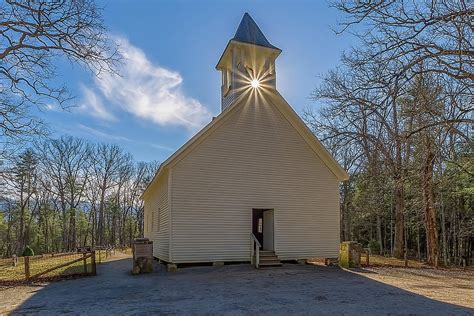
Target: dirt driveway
x,y
230,290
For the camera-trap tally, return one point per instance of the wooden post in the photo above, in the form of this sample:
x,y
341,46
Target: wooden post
x,y
94,269
27,267
251,250
367,258
85,262
257,261
100,258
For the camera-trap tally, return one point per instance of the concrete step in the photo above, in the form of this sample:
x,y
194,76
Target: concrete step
x,y
268,258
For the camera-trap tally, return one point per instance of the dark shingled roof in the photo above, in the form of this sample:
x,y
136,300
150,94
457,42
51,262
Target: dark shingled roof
x,y
249,32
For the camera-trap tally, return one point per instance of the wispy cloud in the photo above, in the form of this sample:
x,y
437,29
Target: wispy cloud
x,y
93,105
146,90
118,138
101,134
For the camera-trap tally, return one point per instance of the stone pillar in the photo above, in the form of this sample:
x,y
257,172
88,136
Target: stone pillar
x,y
349,254
142,256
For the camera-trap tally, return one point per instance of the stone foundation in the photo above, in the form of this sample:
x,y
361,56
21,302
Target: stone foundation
x,y
172,267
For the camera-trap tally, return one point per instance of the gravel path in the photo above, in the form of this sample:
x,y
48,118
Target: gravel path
x,y
229,290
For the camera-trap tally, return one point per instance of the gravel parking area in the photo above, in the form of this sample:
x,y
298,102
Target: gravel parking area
x,y
230,290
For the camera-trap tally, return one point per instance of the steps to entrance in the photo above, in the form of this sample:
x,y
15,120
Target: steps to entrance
x,y
269,259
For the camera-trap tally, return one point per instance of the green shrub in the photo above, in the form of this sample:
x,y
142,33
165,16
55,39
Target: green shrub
x,y
28,252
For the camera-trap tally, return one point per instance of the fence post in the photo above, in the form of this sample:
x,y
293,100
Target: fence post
x,y
100,258
94,269
27,267
85,262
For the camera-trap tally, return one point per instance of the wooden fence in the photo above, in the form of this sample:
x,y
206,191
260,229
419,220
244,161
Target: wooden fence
x,y
47,267
103,252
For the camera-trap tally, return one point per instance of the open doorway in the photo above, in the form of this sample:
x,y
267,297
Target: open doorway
x,y
263,227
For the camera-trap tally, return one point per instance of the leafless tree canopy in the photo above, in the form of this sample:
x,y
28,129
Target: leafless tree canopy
x,y
34,36
434,34
64,193
398,115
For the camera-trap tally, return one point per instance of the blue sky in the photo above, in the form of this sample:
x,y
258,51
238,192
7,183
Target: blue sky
x,y
169,87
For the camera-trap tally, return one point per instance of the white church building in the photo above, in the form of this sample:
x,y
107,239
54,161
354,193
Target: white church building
x,y
255,184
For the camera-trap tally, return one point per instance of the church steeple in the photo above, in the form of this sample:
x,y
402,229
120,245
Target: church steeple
x,y
248,61
249,32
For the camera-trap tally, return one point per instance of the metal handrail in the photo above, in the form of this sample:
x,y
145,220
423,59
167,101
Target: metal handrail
x,y
254,242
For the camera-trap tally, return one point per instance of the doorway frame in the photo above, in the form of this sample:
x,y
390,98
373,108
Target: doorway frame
x,y
263,223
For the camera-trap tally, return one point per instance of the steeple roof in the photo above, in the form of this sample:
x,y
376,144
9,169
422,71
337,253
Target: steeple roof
x,y
249,32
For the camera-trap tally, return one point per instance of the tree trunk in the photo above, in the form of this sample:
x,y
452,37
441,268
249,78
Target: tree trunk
x,y
398,247
379,234
72,228
432,249
418,243
443,232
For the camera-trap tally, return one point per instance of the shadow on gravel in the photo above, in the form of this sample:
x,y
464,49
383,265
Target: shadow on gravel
x,y
233,289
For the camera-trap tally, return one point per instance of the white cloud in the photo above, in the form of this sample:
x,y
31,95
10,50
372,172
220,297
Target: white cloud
x,y
103,135
118,138
51,107
92,104
145,90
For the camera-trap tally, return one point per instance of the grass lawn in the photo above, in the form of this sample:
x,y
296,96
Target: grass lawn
x,y
9,273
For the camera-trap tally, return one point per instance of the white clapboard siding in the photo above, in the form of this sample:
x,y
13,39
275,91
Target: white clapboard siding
x,y
158,203
254,159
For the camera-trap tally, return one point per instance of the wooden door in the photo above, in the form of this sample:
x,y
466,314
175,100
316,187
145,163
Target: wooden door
x,y
268,230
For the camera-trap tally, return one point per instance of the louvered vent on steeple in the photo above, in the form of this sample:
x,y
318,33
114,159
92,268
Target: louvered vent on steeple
x,y
248,57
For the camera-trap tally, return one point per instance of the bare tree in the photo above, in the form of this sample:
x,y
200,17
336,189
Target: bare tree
x,y
435,34
64,162
108,162
400,41
33,35
66,193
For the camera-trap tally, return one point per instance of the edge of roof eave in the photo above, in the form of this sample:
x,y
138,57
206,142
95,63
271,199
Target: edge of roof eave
x,y
192,140
340,173
277,50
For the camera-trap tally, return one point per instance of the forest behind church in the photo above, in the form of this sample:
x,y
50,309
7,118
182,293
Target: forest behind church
x,y
397,114
58,193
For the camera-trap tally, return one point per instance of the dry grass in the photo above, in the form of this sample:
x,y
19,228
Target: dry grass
x,y
127,251
448,284
10,274
381,261
453,286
